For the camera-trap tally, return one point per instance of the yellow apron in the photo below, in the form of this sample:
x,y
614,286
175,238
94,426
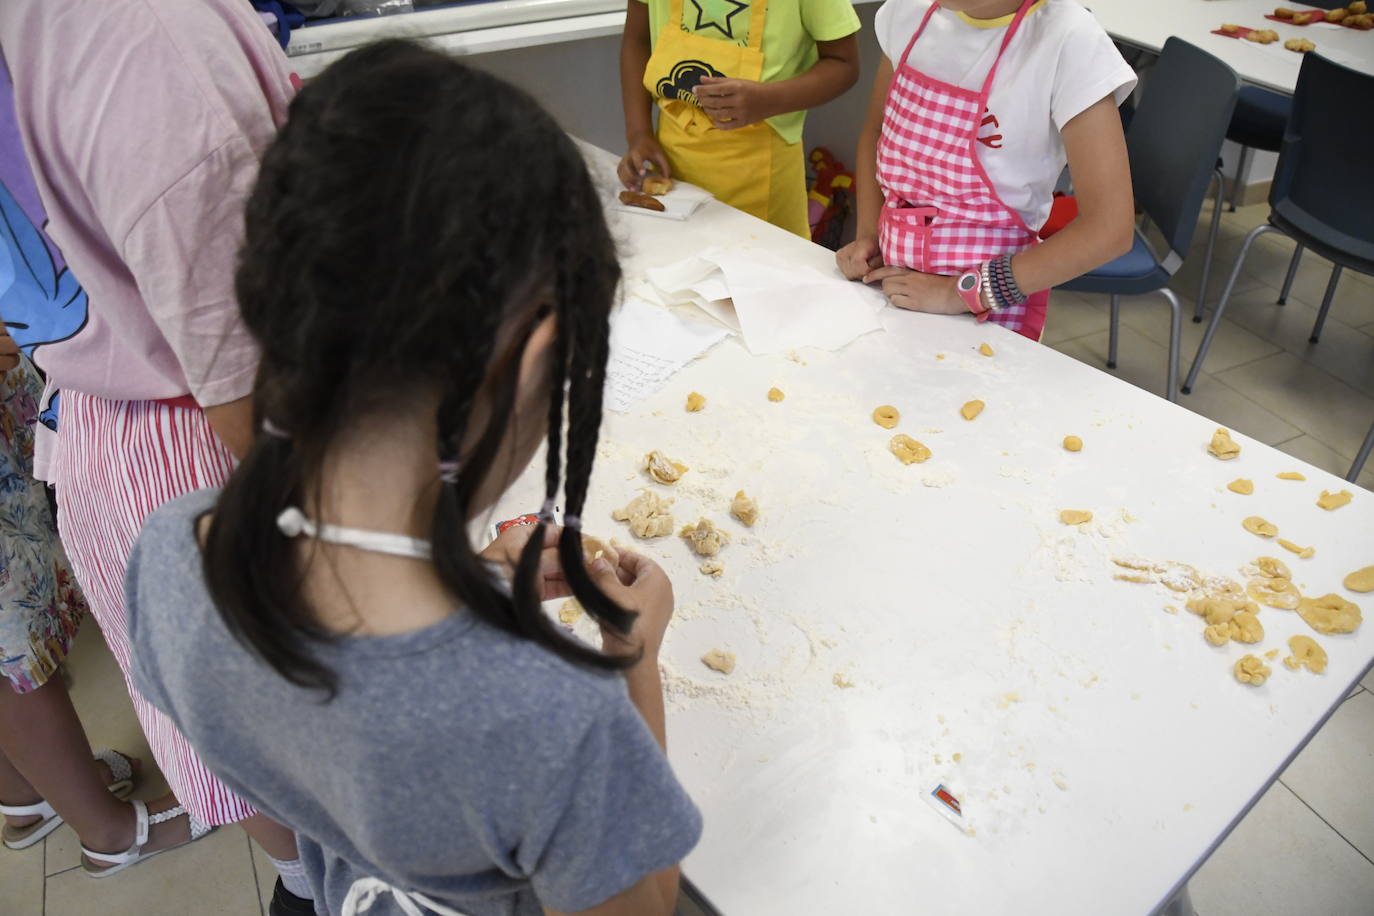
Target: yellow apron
x,y
751,168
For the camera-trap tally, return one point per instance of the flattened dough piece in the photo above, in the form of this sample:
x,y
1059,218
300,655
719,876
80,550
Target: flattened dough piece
x,y
908,449
1361,580
886,416
1290,475
695,402
1222,446
971,409
1251,670
1273,568
985,349
1256,525
705,539
648,515
1242,486
841,681
719,660
1303,553
1075,516
1330,614
775,394
569,611
1073,444
744,508
1307,653
711,567
664,469
1274,592
1330,501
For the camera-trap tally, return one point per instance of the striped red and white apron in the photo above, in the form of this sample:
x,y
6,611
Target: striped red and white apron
x,y
941,213
114,463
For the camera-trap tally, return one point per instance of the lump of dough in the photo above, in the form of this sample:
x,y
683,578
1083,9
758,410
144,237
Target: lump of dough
x,y
1361,580
695,402
971,409
1330,614
1329,501
711,568
1306,654
1222,445
745,508
1273,568
705,539
664,469
908,449
1256,525
1218,634
648,515
1075,516
775,394
844,683
1302,552
1251,670
985,349
1073,444
1274,592
570,611
886,416
1245,627
1242,486
594,549
1216,611
1290,475
719,660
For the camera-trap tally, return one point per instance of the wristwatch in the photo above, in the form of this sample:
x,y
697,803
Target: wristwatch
x,y
970,287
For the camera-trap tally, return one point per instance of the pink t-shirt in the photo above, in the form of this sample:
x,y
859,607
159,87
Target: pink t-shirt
x,y
143,122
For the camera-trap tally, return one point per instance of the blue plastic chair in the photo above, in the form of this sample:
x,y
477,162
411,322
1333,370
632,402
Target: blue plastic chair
x,y
1173,142
1312,201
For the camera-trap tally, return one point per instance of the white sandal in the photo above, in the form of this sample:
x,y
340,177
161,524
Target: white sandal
x,y
104,864
122,775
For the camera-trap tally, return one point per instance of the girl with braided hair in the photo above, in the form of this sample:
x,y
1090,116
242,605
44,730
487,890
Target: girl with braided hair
x,y
322,629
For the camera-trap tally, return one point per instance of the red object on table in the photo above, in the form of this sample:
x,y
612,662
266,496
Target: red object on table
x,y
1317,16
1240,32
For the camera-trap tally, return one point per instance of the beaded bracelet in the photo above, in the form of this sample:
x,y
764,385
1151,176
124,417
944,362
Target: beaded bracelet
x,y
1008,292
986,291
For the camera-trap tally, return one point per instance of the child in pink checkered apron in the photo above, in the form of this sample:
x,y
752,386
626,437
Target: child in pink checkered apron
x,y
976,109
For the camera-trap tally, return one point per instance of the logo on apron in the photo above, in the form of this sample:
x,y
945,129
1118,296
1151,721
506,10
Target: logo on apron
x,y
683,78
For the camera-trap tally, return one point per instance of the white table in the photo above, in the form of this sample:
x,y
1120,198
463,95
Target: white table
x,y
1105,747
1149,23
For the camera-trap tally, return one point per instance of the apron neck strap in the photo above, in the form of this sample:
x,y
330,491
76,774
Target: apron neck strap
x,y
1006,40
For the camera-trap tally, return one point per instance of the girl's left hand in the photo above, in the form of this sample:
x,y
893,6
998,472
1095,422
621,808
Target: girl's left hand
x,y
911,289
509,544
732,103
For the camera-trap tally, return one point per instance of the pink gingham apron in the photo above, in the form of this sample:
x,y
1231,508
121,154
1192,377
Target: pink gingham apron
x,y
941,214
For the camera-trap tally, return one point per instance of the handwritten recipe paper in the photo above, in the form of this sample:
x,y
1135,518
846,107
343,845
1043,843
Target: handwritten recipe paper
x,y
649,345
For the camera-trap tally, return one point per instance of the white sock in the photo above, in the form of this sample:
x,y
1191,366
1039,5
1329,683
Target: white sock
x,y
293,877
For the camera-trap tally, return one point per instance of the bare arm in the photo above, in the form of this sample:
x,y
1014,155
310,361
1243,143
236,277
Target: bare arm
x,y
860,256
735,103
233,423
635,100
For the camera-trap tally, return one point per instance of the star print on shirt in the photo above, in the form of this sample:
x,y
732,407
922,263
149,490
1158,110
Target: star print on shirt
x,y
728,29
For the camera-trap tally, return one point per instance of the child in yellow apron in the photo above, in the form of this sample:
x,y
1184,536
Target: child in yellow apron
x,y
732,81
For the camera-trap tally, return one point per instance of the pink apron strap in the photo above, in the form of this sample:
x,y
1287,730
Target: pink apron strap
x,y
1006,40
915,35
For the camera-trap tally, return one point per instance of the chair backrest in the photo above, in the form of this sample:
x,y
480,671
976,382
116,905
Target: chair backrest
x,y
1321,185
1176,136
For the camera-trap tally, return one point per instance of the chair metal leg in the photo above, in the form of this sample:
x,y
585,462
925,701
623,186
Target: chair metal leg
x,y
1241,163
1292,272
1201,304
1175,340
1115,331
1221,305
1363,456
1326,303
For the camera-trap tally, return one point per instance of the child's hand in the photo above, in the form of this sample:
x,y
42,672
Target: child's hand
x,y
638,584
9,351
859,257
911,289
644,148
509,544
733,103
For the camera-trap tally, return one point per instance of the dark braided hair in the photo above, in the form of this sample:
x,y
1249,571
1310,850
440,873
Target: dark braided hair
x,y
412,223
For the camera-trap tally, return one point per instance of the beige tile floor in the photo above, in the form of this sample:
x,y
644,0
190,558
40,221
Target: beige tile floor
x,y
1306,848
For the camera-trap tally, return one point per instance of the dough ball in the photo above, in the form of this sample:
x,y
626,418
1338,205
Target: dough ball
x,y
744,508
1251,670
1300,45
656,185
775,394
594,548
711,568
719,660
1218,634
1242,486
1073,444
664,469
1330,501
1216,611
1222,446
1330,614
1303,553
648,515
1256,525
1075,516
1356,8
886,416
705,539
1230,28
1361,580
570,611
907,449
1336,15
985,349
971,409
1301,19
1284,12
695,402
1290,475
1306,654
1246,628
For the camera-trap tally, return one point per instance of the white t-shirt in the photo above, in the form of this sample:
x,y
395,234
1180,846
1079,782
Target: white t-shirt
x,y
1059,64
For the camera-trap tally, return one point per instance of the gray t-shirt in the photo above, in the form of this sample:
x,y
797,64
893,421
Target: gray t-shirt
x,y
456,761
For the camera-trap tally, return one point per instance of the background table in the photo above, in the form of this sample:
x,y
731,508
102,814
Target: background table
x,y
1105,748
1149,23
